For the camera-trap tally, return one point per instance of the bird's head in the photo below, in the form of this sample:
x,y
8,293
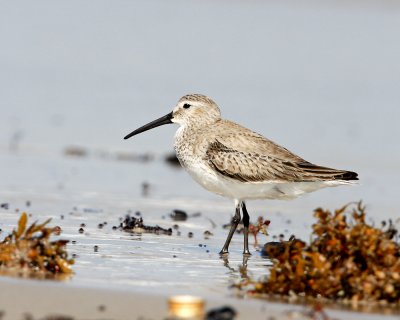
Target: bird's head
x,y
194,110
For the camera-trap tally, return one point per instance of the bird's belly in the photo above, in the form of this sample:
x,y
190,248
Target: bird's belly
x,y
234,189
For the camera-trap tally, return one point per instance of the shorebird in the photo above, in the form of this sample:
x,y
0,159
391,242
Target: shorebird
x,y
235,162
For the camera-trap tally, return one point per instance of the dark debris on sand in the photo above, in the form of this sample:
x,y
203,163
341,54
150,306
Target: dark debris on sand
x,y
136,225
348,260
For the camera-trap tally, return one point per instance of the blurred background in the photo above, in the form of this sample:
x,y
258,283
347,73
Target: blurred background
x,y
320,78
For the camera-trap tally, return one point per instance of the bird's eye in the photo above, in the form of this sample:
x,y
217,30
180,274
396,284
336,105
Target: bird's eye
x,y
186,106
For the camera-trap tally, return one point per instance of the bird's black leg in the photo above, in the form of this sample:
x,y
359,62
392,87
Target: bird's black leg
x,y
234,223
246,222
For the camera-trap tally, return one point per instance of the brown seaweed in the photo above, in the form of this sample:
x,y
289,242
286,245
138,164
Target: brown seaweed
x,y
348,260
28,251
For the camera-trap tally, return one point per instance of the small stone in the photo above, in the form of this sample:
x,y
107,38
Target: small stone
x,y
225,312
179,215
273,249
190,234
57,230
207,234
81,230
5,206
96,248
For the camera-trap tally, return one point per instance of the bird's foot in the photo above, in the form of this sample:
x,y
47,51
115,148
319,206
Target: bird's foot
x,y
246,252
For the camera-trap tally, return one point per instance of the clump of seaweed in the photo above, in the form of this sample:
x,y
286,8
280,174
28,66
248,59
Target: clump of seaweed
x,y
347,260
136,225
28,251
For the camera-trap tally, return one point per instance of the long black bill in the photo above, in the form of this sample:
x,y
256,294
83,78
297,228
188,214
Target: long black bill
x,y
156,123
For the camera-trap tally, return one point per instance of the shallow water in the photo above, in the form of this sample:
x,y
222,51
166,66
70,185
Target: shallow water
x,y
144,262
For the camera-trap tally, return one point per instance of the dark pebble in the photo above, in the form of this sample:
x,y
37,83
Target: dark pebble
x,y
179,215
83,225
145,189
138,214
81,230
73,241
17,210
5,206
101,308
196,215
57,230
223,313
28,203
74,255
207,251
200,245
272,249
62,217
178,233
105,222
100,226
207,234
114,227
96,248
172,160
174,256
175,226
190,234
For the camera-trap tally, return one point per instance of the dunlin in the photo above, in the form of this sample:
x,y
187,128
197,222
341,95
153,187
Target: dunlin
x,y
235,162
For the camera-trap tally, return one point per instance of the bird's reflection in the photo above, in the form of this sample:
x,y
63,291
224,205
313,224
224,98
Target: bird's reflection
x,y
241,270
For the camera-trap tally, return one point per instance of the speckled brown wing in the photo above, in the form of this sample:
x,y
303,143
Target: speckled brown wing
x,y
248,166
237,137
